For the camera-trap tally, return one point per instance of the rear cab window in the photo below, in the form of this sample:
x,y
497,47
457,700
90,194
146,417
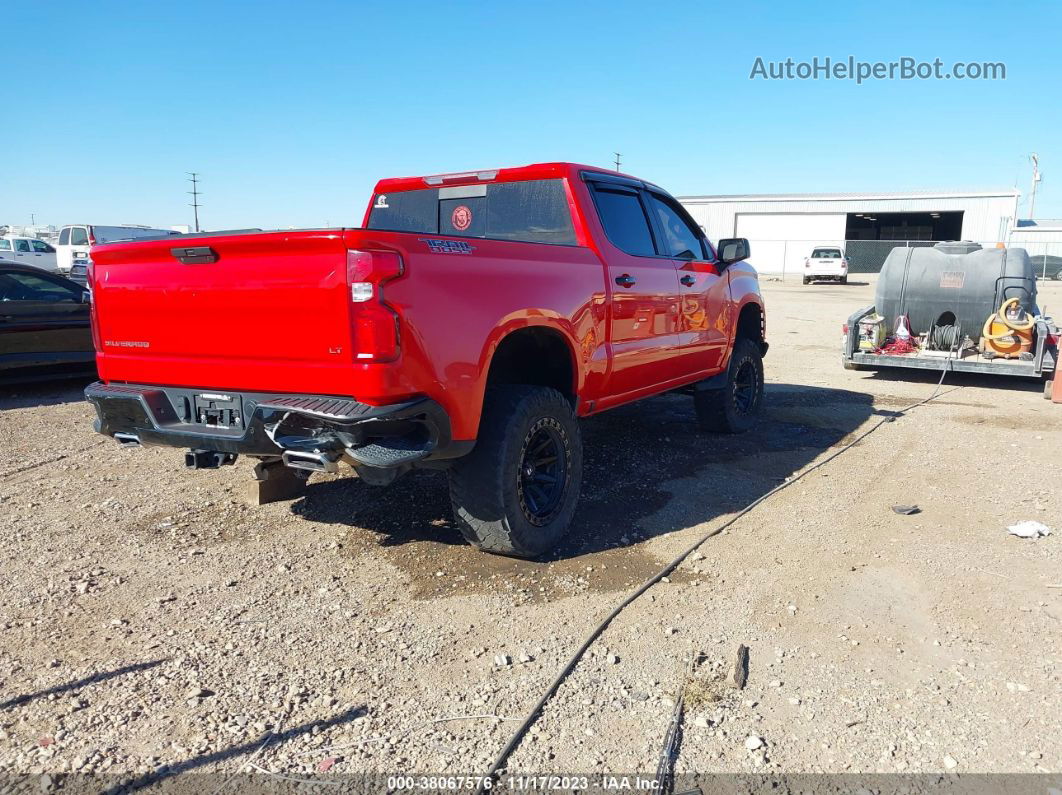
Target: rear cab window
x,y
529,211
64,236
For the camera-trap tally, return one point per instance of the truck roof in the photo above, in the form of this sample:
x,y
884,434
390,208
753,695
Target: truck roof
x,y
488,175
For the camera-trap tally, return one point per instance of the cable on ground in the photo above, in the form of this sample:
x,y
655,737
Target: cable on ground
x,y
533,715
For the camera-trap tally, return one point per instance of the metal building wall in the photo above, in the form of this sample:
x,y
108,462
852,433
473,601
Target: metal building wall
x,y
986,216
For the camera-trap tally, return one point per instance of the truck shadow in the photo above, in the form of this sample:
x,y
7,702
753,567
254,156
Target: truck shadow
x,y
648,471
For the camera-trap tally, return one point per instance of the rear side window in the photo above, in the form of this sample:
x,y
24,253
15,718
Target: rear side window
x,y
534,211
78,236
64,236
22,245
624,220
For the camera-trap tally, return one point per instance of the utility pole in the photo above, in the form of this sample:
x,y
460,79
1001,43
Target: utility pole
x,y
618,156
1035,160
193,177
33,219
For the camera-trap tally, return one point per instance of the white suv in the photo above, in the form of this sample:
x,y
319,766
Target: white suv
x,y
76,239
826,262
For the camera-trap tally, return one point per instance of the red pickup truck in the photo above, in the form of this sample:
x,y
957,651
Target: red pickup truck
x,y
465,326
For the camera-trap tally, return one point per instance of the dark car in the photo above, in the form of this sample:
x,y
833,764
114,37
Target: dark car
x,y
44,325
1047,266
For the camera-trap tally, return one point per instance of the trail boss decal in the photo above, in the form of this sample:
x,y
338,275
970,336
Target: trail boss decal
x,y
447,246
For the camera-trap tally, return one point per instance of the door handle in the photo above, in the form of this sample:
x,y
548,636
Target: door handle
x,y
688,280
626,280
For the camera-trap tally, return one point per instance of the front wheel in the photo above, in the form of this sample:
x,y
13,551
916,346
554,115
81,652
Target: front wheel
x,y
516,492
735,407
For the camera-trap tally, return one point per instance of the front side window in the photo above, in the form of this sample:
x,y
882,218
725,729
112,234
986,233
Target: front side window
x,y
5,245
532,211
78,236
680,239
624,220
41,247
15,286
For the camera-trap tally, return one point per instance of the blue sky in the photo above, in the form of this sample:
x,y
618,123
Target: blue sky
x,y
291,111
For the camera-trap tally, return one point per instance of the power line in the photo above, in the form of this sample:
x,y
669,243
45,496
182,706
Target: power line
x,y
195,193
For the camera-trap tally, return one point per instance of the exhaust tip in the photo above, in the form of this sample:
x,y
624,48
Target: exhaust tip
x,y
312,462
127,439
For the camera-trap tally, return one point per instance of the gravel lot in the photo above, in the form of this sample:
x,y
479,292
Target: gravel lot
x,y
155,626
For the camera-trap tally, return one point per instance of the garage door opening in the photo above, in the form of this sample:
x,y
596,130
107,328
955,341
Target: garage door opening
x,y
904,226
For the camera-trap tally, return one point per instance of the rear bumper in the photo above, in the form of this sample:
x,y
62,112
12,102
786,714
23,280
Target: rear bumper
x,y
270,425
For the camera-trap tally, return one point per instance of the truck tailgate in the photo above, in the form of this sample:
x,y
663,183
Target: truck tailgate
x,y
271,308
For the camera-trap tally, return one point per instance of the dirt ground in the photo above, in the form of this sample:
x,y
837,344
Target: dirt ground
x,y
153,626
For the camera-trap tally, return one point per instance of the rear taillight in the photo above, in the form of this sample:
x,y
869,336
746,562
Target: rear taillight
x,y
373,323
1051,340
844,328
90,282
92,238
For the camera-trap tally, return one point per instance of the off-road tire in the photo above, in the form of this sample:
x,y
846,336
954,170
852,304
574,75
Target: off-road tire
x,y
726,410
491,508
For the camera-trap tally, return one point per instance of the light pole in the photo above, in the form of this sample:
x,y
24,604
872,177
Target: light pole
x,y
1035,160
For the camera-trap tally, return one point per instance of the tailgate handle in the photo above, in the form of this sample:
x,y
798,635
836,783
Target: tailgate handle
x,y
195,255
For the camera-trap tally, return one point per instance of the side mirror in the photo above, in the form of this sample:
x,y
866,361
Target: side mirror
x,y
733,249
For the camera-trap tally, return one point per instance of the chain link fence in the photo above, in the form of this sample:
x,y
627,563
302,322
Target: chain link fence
x,y
867,256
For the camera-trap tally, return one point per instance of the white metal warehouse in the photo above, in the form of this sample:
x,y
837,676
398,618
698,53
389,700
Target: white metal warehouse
x,y
783,228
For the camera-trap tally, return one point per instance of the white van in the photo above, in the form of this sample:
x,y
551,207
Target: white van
x,y
28,251
75,240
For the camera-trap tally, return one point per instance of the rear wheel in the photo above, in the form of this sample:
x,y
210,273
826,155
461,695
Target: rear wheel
x,y
735,407
844,280
807,280
516,492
